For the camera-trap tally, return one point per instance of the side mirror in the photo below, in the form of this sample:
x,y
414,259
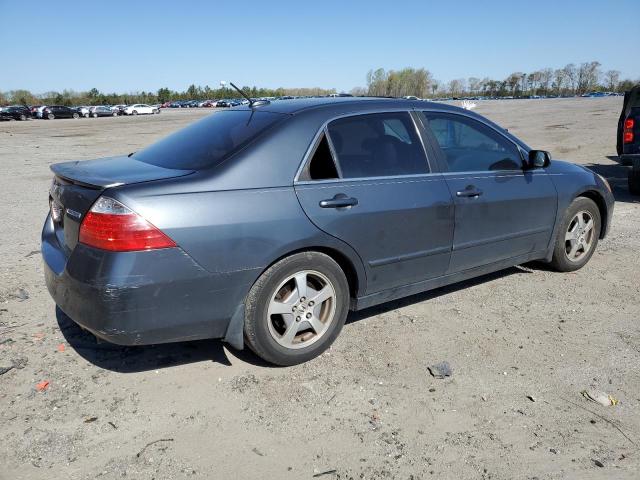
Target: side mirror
x,y
538,159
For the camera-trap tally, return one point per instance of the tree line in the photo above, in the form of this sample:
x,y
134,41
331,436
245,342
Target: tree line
x,y
571,79
193,92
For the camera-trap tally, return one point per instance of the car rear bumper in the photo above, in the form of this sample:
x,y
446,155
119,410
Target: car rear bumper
x,y
137,298
630,158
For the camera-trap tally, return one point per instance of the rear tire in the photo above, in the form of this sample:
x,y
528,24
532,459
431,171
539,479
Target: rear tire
x,y
51,116
23,117
115,114
135,112
76,116
310,285
577,235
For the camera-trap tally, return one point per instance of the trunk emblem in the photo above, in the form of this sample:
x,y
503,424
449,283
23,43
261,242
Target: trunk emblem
x,y
73,213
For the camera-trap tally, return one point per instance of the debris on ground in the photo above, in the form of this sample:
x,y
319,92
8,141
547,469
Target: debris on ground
x,y
598,463
61,347
532,398
152,443
326,472
441,370
602,398
42,386
90,419
4,370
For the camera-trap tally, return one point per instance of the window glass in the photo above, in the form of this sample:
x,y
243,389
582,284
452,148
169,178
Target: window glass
x,y
376,145
208,142
322,166
470,146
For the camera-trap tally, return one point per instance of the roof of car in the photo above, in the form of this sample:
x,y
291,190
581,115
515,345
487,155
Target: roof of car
x,y
365,103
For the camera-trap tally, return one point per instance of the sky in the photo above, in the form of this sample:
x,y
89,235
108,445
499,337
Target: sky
x,y
126,46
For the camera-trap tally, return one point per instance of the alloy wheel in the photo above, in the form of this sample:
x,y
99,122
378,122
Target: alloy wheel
x,y
301,309
579,237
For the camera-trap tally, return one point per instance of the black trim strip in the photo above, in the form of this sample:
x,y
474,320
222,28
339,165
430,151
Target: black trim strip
x,y
409,256
500,238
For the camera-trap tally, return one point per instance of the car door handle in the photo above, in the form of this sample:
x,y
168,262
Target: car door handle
x,y
339,201
470,192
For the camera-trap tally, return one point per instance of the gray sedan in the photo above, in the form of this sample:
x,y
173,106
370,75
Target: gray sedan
x,y
265,224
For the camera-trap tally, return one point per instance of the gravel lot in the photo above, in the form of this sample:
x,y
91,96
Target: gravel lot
x,y
366,409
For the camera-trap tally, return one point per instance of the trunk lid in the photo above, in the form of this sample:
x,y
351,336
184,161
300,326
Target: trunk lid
x,y
77,185
113,172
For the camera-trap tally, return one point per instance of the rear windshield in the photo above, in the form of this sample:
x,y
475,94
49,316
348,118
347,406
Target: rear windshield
x,y
209,141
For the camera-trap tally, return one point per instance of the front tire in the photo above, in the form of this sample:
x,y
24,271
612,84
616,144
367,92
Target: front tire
x,y
296,309
577,236
51,116
76,116
115,114
23,117
135,112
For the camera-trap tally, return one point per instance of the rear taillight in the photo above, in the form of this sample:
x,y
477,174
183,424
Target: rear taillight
x,y
110,225
628,135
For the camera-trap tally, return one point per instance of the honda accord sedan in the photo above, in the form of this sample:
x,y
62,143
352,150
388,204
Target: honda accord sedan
x,y
265,224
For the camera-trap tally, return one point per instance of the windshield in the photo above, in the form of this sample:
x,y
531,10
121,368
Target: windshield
x,y
209,141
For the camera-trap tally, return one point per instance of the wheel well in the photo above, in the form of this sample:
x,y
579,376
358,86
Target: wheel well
x,y
602,206
341,259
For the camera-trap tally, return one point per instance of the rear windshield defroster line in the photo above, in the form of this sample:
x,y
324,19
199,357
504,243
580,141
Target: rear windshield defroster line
x,y
208,142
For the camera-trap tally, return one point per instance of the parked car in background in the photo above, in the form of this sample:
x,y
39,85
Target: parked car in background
x,y
84,111
36,111
103,111
59,111
140,109
16,112
119,109
628,139
257,224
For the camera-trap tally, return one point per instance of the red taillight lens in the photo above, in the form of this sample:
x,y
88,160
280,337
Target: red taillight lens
x,y
627,137
110,225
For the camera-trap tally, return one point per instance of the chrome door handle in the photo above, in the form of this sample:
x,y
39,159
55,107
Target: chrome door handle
x,y
339,201
469,192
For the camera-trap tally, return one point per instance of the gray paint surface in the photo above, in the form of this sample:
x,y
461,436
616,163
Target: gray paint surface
x,y
406,234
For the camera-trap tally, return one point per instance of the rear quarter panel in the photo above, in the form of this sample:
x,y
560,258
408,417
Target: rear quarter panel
x,y
238,232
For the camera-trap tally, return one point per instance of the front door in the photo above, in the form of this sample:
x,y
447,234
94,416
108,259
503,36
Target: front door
x,y
379,196
501,210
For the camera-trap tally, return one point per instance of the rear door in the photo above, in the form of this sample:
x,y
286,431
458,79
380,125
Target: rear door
x,y
501,210
368,182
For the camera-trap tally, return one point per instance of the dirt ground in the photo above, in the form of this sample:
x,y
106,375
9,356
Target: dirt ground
x,y
366,409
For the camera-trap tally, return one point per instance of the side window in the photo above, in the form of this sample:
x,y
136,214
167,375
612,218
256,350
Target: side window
x,y
470,146
321,166
377,145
